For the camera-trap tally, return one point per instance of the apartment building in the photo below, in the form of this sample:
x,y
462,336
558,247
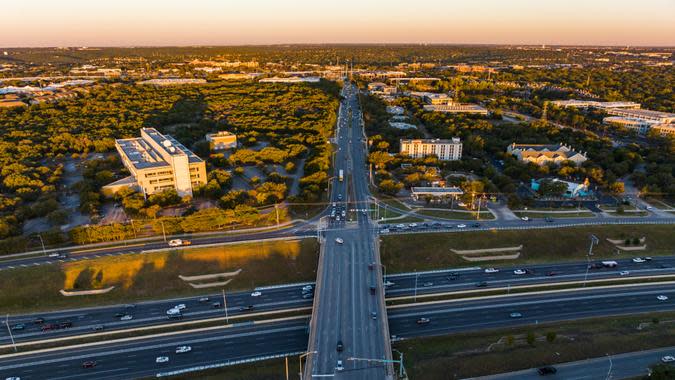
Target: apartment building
x,y
445,150
158,162
542,154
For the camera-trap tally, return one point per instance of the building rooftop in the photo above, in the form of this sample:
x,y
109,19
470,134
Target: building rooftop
x,y
454,140
142,155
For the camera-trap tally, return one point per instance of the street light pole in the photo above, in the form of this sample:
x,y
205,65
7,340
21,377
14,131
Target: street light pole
x,y
594,240
227,319
10,332
300,360
163,230
609,373
42,242
416,276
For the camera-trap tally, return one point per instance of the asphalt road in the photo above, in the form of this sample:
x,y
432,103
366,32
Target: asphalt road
x,y
290,296
348,290
622,366
136,359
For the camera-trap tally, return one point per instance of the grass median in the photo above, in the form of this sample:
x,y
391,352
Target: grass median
x,y
405,253
154,275
503,350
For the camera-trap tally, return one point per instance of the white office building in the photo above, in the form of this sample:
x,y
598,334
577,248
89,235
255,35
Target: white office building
x,y
445,150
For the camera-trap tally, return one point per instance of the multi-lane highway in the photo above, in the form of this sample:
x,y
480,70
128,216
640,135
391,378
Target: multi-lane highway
x,y
349,318
124,360
285,297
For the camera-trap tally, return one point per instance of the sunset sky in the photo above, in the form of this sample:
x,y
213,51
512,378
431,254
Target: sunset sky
x,y
225,22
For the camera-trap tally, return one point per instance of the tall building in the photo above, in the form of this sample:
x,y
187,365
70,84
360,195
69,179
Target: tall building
x,y
445,150
222,140
158,162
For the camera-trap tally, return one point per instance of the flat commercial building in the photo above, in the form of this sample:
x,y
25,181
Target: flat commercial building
x,y
639,126
158,162
456,108
291,80
542,154
445,150
647,115
222,140
172,81
595,104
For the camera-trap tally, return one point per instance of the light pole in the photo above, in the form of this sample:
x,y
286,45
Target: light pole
x,y
300,360
609,372
416,276
42,242
227,319
163,230
400,370
10,332
594,240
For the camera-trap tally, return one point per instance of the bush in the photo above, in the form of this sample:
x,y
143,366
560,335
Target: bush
x,y
530,338
550,336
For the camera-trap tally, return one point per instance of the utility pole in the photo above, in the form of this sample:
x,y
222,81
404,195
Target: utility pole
x,y
286,367
594,240
133,228
163,230
276,209
10,332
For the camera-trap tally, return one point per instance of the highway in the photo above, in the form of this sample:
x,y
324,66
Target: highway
x,y
124,360
285,297
622,366
349,318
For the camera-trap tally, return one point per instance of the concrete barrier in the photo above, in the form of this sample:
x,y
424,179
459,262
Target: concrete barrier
x,y
68,293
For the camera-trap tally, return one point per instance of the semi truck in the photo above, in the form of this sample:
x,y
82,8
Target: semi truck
x,y
341,175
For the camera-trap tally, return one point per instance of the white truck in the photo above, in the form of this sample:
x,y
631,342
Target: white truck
x,y
178,242
341,175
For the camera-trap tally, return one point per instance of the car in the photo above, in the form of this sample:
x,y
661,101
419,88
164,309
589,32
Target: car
x,y
98,327
400,226
384,231
412,225
308,287
481,284
647,258
461,226
515,315
548,370
639,260
340,346
344,213
203,299
172,311
373,289
519,272
491,270
662,298
476,225
389,283
162,359
49,326
427,284
525,219
89,364
127,317
183,349
649,208
66,324
13,378
53,255
339,366
373,315
180,306
256,294
308,296
18,326
423,321
548,219
624,273
339,240
120,314
339,197
178,242
668,359
39,321
247,307
216,305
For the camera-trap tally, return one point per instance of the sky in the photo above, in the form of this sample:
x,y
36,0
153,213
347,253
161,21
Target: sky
x,y
227,22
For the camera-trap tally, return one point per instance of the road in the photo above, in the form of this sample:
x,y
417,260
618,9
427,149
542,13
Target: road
x,y
623,366
349,301
124,360
284,297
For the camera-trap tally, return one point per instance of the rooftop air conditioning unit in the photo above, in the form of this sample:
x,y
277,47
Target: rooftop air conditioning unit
x,y
166,143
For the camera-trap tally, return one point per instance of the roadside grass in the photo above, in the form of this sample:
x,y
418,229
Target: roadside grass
x,y
541,215
262,370
155,275
405,253
448,214
496,351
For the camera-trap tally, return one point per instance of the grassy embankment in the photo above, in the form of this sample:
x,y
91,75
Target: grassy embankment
x,y
155,275
405,253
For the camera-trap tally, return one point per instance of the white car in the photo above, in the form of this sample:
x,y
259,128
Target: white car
x,y
461,226
307,287
13,378
624,273
339,366
412,225
525,219
662,298
180,306
52,255
256,294
388,283
126,317
162,359
183,349
339,240
519,272
173,311
668,359
491,270
639,260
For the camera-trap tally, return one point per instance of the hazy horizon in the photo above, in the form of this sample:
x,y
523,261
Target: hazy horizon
x,y
127,23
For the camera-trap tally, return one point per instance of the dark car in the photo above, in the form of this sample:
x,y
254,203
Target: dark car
x,y
549,219
19,326
308,296
66,324
247,307
372,289
204,299
551,273
340,346
120,314
89,364
423,321
50,326
216,305
475,225
481,284
548,370
98,327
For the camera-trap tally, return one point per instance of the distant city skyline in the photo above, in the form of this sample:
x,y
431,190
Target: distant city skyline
x,y
210,22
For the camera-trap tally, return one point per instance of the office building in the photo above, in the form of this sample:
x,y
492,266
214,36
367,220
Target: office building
x,y
445,150
222,140
541,154
456,108
646,115
595,104
158,162
291,80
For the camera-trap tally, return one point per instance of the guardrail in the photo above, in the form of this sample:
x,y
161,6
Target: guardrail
x,y
227,363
